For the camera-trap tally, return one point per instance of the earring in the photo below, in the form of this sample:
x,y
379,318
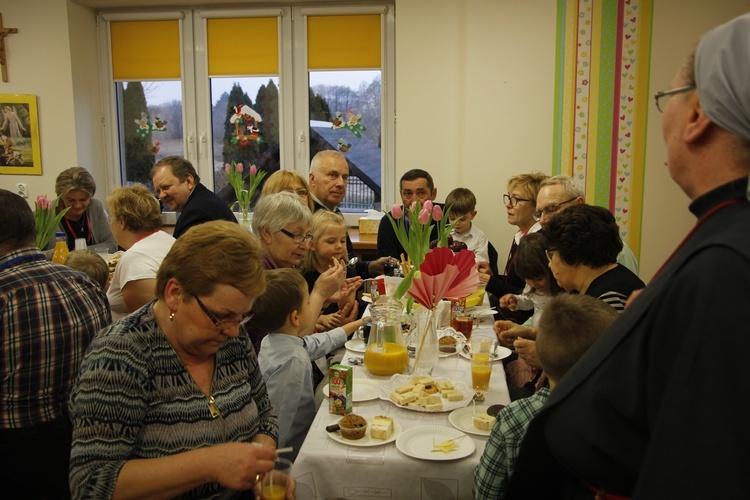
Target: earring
x,y
171,316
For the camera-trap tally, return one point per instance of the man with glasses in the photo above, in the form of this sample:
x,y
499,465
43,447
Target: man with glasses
x,y
560,192
329,176
658,407
416,184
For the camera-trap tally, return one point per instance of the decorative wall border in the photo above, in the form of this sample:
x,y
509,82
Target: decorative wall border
x,y
601,103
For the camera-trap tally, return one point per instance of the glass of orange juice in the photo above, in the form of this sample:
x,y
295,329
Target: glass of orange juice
x,y
275,482
482,348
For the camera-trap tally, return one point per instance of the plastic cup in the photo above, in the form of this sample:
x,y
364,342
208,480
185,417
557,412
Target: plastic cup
x,y
274,483
80,244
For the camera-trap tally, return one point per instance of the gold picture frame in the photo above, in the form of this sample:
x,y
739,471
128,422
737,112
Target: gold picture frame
x,y
20,151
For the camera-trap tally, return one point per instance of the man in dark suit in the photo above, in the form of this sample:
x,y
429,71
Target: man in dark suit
x,y
329,176
178,186
416,184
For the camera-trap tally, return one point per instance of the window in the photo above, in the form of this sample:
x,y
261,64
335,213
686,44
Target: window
x,y
269,87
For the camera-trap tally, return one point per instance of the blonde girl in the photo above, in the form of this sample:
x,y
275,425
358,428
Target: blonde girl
x,y
329,244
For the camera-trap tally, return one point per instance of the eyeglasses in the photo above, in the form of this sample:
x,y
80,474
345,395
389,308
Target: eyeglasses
x,y
549,252
298,238
664,93
551,210
223,325
513,200
299,192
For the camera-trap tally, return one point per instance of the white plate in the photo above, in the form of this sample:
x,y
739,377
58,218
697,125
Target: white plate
x,y
500,352
355,345
463,419
386,388
418,442
362,390
367,441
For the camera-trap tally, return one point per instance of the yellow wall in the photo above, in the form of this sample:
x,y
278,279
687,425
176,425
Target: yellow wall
x,y
474,98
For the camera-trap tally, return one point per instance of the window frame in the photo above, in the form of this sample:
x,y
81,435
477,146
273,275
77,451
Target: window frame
x,y
294,127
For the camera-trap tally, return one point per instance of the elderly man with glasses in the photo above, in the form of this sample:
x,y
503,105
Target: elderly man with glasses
x,y
652,410
560,192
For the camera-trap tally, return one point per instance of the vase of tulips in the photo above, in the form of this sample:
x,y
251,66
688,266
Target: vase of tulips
x,y
244,196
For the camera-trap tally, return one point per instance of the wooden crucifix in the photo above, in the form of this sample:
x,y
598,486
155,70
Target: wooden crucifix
x,y
3,33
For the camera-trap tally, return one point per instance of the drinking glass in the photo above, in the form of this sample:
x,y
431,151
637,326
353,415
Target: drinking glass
x,y
274,483
482,348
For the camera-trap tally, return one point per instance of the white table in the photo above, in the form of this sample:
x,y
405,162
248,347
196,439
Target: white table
x,y
327,469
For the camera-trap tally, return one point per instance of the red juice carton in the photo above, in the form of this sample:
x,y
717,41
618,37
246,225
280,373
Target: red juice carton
x,y
340,389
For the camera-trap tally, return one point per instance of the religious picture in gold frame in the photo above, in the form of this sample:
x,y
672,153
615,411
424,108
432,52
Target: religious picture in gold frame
x,y
20,151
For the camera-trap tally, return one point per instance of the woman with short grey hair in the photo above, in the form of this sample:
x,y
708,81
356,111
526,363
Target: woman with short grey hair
x,y
282,223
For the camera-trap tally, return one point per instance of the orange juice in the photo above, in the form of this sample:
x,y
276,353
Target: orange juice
x,y
481,369
273,492
386,360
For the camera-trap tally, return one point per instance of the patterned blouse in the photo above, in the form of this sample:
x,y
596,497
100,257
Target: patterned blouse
x,y
135,399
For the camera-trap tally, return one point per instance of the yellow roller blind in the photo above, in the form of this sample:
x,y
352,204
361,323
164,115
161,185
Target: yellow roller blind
x,y
145,50
243,46
343,42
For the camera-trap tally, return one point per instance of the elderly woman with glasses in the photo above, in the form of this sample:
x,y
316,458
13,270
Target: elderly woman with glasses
x,y
520,203
170,400
283,223
584,241
291,181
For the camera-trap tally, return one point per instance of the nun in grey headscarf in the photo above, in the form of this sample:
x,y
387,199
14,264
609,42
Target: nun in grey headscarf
x,y
722,77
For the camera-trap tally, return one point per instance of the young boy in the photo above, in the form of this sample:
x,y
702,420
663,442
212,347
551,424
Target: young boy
x,y
284,359
569,325
90,263
463,203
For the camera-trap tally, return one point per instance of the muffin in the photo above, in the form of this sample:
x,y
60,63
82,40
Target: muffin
x,y
353,427
447,344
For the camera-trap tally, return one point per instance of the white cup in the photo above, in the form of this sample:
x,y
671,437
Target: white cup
x,y
81,244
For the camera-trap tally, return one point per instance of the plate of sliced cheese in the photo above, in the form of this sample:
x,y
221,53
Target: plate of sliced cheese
x,y
426,394
435,442
472,420
380,430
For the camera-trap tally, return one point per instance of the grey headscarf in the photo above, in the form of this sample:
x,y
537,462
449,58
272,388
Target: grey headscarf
x,y
722,75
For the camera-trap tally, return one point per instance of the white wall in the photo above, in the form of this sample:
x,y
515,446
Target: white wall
x,y
678,24
474,98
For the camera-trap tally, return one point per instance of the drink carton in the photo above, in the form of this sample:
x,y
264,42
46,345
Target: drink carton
x,y
340,389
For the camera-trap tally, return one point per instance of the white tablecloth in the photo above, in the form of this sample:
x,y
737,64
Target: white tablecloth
x,y
327,469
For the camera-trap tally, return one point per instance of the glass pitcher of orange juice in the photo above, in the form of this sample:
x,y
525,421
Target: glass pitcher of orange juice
x,y
386,349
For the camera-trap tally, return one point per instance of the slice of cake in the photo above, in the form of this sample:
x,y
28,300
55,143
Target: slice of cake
x,y
483,421
381,427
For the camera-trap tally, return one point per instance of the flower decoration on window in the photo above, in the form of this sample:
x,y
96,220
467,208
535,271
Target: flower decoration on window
x,y
246,125
351,123
46,220
244,196
145,126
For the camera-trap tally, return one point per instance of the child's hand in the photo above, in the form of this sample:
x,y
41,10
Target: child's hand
x,y
328,321
349,312
509,301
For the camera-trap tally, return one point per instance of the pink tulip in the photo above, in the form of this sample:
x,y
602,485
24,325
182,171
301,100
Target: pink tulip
x,y
427,205
240,167
253,169
437,213
397,212
424,216
413,205
227,168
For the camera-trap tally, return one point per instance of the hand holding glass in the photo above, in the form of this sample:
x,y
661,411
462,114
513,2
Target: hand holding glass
x,y
275,482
